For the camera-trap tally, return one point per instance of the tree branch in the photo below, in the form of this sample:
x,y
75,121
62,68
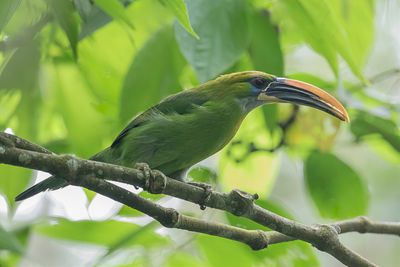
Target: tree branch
x,y
79,172
171,218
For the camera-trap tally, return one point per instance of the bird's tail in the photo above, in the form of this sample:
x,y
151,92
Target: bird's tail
x,y
51,183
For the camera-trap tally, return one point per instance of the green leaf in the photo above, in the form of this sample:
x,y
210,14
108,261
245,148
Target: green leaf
x,y
127,239
295,18
64,13
129,212
330,28
224,252
203,175
95,18
181,259
84,8
366,124
115,9
358,22
153,74
21,70
108,233
219,48
8,241
13,180
290,254
336,189
7,9
85,126
265,49
105,57
178,7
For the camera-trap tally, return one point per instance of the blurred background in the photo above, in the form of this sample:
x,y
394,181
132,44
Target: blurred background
x,y
74,72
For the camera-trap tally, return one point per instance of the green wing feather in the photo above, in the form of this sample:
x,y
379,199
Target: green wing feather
x,y
179,103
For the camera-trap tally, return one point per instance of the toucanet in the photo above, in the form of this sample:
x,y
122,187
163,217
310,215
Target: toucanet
x,y
192,125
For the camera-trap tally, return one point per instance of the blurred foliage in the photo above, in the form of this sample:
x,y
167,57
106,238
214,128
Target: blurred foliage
x,y
73,72
112,233
341,180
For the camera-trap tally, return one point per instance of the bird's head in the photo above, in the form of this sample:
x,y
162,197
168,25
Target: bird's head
x,y
254,88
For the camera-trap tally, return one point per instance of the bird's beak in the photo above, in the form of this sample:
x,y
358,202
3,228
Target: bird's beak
x,y
301,93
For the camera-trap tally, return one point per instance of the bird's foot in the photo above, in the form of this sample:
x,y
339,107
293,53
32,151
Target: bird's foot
x,y
155,181
207,193
145,169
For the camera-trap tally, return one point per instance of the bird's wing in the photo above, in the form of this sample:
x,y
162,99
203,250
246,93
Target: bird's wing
x,y
180,103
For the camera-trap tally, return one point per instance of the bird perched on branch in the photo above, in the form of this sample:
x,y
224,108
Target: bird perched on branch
x,y
189,126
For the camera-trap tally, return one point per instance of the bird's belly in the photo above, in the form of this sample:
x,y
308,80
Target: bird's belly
x,y
176,143
194,143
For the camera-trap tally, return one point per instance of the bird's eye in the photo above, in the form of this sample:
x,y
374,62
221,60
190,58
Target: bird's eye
x,y
259,82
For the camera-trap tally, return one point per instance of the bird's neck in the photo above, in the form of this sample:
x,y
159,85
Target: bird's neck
x,y
248,104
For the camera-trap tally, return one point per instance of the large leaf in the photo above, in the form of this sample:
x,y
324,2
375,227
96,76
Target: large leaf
x,y
265,49
366,124
153,74
223,28
223,252
266,54
85,127
357,19
105,57
94,17
336,189
7,9
178,7
65,15
289,254
330,29
115,9
108,233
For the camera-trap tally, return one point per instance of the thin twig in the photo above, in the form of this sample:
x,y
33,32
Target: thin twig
x,y
251,147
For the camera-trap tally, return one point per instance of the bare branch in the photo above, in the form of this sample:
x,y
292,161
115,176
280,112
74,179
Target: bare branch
x,y
79,172
173,219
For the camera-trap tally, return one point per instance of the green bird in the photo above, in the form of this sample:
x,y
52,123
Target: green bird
x,y
192,125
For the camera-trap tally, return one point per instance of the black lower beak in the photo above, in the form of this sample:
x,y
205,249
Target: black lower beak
x,y
297,92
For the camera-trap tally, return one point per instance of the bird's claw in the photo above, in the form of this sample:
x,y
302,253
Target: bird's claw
x,y
207,193
145,169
